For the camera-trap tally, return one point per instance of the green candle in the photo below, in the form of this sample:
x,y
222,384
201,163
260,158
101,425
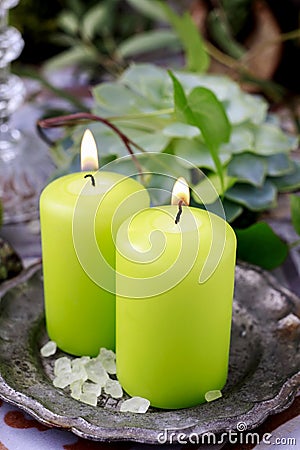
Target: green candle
x,y
174,304
80,313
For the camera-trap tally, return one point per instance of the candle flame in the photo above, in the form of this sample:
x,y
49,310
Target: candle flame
x,y
89,153
181,192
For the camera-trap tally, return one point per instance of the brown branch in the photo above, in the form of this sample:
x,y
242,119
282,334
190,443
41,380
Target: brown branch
x,y
74,119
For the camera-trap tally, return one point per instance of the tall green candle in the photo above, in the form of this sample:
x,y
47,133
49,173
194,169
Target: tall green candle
x,y
174,304
80,314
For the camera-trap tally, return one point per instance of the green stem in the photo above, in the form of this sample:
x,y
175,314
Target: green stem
x,y
294,244
107,62
30,73
295,34
158,112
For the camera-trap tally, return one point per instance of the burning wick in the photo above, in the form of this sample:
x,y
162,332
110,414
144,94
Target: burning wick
x,y
91,177
180,196
177,218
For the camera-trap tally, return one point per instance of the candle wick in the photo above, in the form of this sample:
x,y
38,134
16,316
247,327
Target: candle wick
x,y
177,218
91,177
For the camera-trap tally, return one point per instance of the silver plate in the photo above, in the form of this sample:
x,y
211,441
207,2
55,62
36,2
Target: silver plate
x,y
263,379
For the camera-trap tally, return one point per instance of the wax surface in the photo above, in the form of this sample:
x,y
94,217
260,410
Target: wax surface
x,y
172,347
80,315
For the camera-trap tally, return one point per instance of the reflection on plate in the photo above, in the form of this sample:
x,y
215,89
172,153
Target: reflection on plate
x,y
263,379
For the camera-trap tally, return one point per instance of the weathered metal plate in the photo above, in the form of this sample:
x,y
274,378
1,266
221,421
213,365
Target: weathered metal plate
x,y
263,379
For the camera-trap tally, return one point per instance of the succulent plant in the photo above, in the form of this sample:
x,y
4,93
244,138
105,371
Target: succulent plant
x,y
256,162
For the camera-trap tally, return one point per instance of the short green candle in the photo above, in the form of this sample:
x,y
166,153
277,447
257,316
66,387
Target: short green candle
x,y
80,314
172,328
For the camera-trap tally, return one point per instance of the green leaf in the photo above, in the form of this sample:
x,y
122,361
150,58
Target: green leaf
x,y
63,39
289,182
241,139
68,21
94,21
209,115
197,59
146,42
232,210
248,168
254,198
181,130
269,139
108,142
259,245
76,6
209,189
117,99
295,212
203,110
243,107
196,152
279,164
75,55
183,112
152,142
149,8
150,81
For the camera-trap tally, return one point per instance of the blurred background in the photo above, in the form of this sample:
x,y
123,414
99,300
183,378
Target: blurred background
x,y
52,54
235,27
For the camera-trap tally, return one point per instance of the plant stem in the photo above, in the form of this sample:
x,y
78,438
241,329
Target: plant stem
x,y
61,93
155,113
294,244
75,118
224,59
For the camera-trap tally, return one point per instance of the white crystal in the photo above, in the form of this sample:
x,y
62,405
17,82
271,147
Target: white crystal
x,y
78,370
135,405
113,388
91,388
88,398
62,365
48,349
108,360
62,380
213,395
96,372
84,359
76,389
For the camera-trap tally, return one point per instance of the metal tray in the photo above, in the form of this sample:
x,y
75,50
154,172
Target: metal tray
x,y
263,379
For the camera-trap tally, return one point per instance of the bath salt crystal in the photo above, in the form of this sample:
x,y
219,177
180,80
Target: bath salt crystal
x,y
63,380
62,365
78,370
212,395
89,399
96,372
113,388
135,405
76,389
108,360
91,388
84,359
48,349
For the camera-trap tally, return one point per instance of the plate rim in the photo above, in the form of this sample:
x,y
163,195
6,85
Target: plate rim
x,y
79,426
